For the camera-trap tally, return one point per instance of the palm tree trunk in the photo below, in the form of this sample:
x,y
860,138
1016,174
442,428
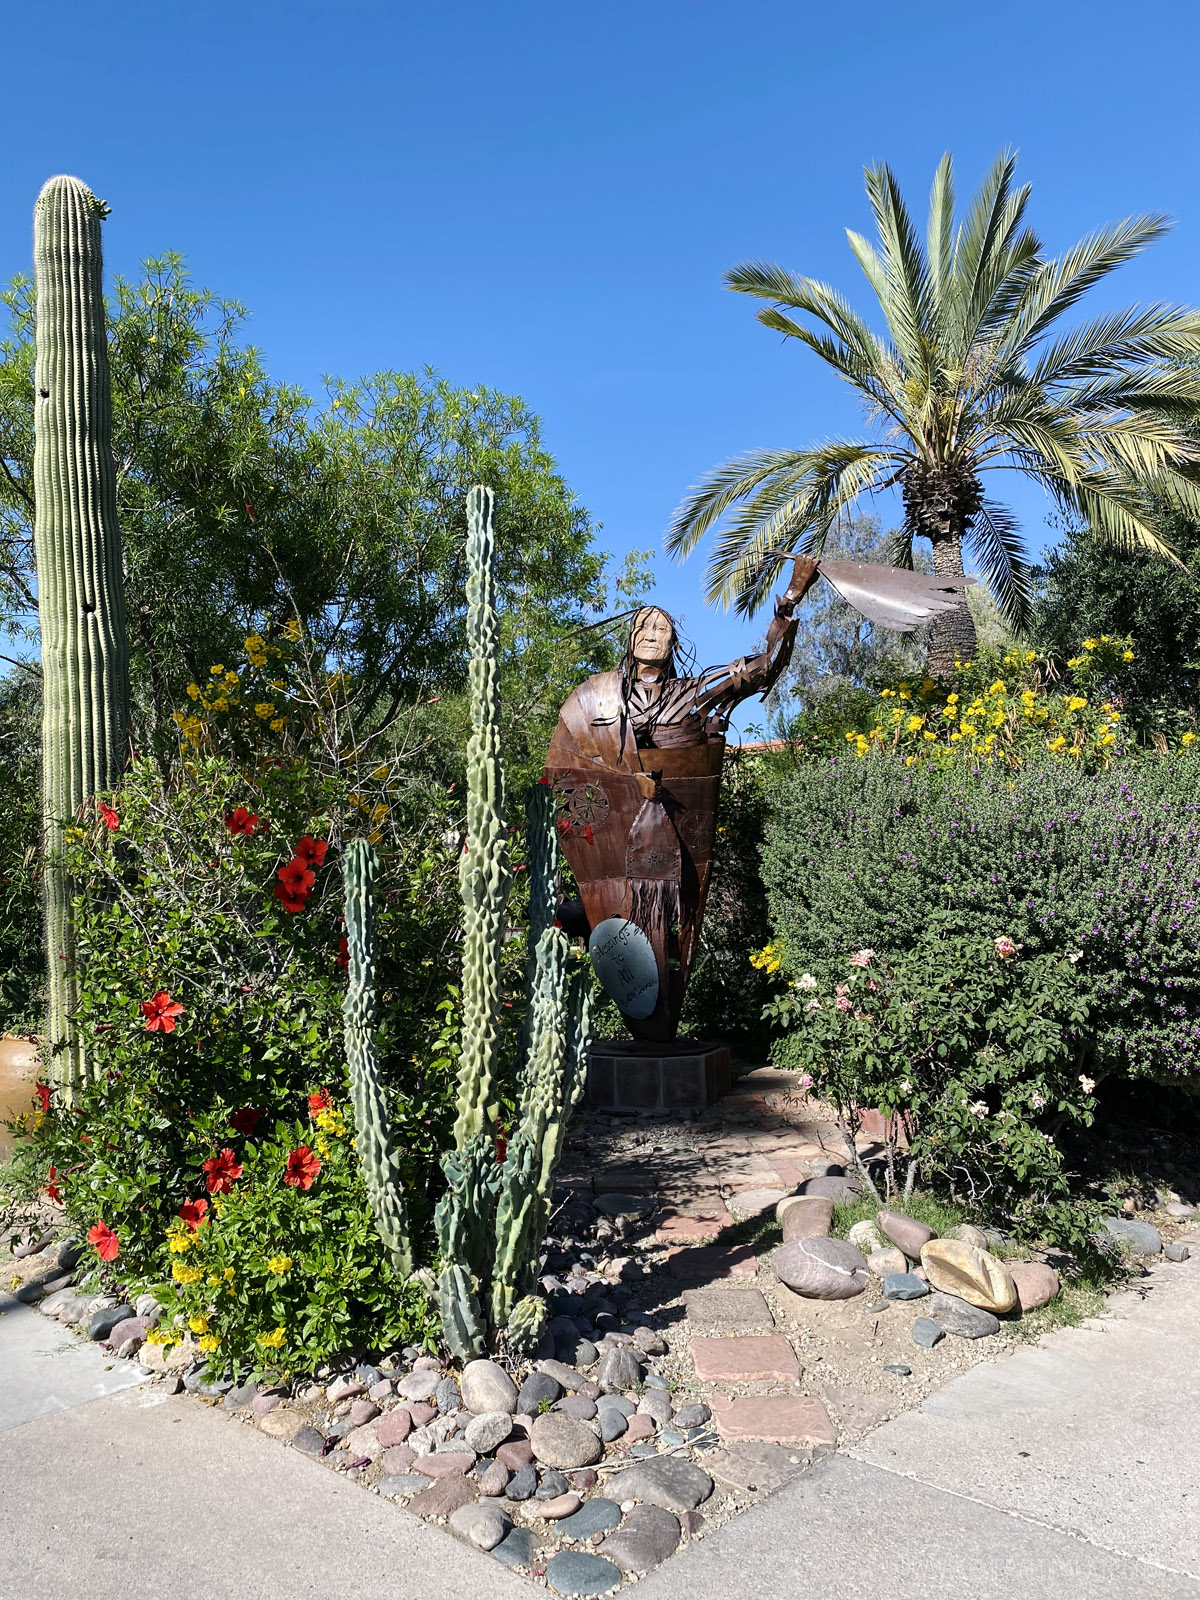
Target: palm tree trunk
x,y
951,633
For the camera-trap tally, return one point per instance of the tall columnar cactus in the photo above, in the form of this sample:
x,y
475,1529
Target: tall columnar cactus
x,y
492,1219
85,659
377,1157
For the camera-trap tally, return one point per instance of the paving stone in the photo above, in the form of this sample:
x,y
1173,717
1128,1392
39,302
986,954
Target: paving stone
x,y
666,1481
855,1411
973,1275
748,1464
744,1360
623,1205
648,1535
574,1572
727,1308
443,1497
709,1262
752,1202
780,1419
680,1229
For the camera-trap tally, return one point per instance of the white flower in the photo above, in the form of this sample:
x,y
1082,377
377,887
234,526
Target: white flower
x,y
1037,1101
906,1086
812,1005
1076,955
842,988
806,981
1086,1084
978,1108
861,958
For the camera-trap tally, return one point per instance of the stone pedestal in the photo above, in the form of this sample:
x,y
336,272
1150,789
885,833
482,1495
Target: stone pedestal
x,y
631,1075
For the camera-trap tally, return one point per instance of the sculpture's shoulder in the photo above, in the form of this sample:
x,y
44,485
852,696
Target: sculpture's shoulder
x,y
589,724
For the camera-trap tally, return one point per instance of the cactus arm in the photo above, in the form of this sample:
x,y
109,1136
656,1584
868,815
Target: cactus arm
x,y
85,656
484,875
381,1169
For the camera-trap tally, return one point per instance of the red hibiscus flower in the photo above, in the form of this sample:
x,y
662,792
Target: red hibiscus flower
x,y
192,1212
311,850
303,1165
42,1090
245,1121
221,1172
160,1012
343,955
105,1241
241,821
111,820
588,834
290,902
53,1192
320,1100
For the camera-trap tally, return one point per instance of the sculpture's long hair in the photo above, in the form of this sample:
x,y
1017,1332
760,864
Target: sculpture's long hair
x,y
682,654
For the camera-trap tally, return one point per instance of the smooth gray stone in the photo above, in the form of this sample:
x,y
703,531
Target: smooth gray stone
x,y
446,1396
573,1572
523,1483
927,1332
1139,1237
516,1549
667,1481
577,1352
646,1538
671,1437
567,1377
958,1317
538,1387
552,1485
102,1323
577,1406
1177,1251
403,1483
613,1424
656,1403
904,1286
644,1451
309,1442
693,1416
616,1402
593,1516
655,1380
899,1369
485,1432
619,1369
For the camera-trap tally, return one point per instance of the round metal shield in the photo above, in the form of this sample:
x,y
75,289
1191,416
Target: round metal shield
x,y
624,962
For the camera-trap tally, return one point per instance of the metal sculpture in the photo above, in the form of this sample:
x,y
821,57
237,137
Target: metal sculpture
x,y
635,763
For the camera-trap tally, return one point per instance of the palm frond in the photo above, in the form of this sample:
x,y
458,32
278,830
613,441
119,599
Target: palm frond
x,y
907,301
1138,333
995,542
724,486
939,232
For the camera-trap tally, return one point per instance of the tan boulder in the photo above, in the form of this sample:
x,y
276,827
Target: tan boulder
x,y
971,1274
805,1216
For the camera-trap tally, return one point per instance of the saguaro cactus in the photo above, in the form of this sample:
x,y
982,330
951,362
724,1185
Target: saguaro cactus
x,y
373,1141
85,661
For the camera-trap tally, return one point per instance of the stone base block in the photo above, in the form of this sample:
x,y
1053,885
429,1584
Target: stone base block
x,y
627,1076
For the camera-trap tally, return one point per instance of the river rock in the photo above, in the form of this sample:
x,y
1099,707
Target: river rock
x,y
563,1442
482,1526
566,1377
394,1427
594,1516
961,1317
904,1286
1037,1284
926,1332
666,1481
523,1483
487,1431
968,1233
1139,1238
865,1236
804,1216
619,1369
574,1572
693,1416
515,1549
538,1390
562,1505
821,1269
906,1233
577,1406
646,1537
885,1263
418,1386
613,1424
487,1387
973,1275
493,1480
102,1323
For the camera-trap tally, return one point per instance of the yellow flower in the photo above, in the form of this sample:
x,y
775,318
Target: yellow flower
x,y
1188,738
1091,644
159,1336
952,699
1076,703
997,719
950,711
1126,655
210,1342
928,735
278,724
193,690
999,687
886,694
215,672
913,724
220,705
291,629
264,709
214,1280
198,1324
258,661
1057,744
179,1242
1075,661
968,727
380,773
271,1341
255,644
279,1264
1028,697
182,1273
228,1274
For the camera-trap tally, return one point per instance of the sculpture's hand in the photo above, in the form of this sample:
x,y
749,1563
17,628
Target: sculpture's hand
x,y
804,575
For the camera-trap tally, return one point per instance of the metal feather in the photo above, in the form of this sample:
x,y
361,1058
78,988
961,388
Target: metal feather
x,y
890,597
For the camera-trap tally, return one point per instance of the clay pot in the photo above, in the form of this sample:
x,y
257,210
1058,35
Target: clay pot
x,y
19,1066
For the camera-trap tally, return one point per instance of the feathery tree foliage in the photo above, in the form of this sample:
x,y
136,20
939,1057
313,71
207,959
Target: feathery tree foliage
x,y
969,376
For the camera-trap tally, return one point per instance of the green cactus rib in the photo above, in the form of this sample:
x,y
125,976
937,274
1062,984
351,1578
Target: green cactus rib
x,y
85,658
484,875
382,1172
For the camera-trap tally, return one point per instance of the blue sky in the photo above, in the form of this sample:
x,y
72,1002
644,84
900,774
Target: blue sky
x,y
543,196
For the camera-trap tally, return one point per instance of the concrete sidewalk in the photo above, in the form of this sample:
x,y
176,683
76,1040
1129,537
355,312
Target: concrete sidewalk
x,y
1069,1469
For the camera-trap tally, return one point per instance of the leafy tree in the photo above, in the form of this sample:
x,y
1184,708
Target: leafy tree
x,y
1086,588
969,377
242,500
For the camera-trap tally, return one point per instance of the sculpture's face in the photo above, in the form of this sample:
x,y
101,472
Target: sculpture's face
x,y
653,638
